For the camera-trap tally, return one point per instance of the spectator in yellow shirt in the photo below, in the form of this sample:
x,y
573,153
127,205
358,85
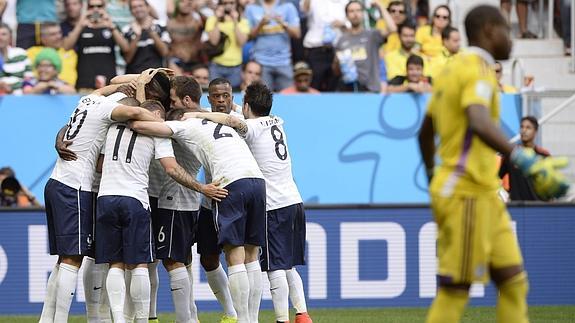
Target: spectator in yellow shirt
x,y
429,36
395,61
503,88
451,43
398,14
51,36
227,20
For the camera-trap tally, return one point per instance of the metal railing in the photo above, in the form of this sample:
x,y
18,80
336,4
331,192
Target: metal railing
x,y
517,63
551,114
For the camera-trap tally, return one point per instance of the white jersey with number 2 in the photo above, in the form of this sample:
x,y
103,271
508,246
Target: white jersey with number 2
x,y
219,148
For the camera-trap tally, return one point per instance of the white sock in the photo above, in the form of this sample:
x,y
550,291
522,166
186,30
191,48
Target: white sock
x,y
255,280
128,304
240,290
180,287
67,279
92,280
140,293
49,307
280,294
193,307
218,281
154,284
296,293
116,288
105,314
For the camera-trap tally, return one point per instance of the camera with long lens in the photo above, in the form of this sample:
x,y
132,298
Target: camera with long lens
x,y
95,16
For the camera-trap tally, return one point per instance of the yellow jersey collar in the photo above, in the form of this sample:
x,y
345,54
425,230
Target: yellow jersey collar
x,y
482,53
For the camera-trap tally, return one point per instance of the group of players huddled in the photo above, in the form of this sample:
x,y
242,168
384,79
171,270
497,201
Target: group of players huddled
x,y
147,137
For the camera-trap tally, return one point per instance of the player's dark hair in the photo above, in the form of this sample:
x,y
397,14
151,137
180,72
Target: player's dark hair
x,y
406,24
187,86
159,89
447,32
260,98
244,66
533,121
154,105
218,81
133,102
175,114
478,18
414,60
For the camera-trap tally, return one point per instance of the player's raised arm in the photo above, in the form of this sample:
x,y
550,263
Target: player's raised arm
x,y
157,129
180,175
223,118
125,112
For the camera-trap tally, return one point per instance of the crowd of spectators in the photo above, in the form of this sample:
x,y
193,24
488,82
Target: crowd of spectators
x,y
294,46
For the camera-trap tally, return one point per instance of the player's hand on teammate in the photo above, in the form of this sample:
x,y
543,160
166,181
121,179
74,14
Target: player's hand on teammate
x,y
63,151
548,182
146,76
214,192
168,71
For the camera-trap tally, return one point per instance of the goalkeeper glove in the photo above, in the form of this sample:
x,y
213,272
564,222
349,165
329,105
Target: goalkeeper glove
x,y
548,183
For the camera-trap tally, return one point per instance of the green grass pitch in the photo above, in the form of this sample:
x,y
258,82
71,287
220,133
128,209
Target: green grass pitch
x,y
543,314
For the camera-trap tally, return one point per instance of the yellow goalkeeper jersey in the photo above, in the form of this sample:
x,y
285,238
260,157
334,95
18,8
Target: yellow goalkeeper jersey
x,y
467,166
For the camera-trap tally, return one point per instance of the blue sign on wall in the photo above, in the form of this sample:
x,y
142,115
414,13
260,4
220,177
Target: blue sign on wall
x,y
345,148
369,257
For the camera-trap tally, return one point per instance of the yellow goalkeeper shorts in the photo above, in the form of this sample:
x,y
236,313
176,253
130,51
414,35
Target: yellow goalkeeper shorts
x,y
474,234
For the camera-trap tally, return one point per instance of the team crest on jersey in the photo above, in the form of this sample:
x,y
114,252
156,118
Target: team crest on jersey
x,y
483,90
106,33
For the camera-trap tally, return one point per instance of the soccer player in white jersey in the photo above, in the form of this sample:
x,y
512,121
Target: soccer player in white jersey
x,y
68,192
285,236
240,217
123,218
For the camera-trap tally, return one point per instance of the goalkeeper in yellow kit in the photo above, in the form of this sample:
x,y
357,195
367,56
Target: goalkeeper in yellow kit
x,y
475,240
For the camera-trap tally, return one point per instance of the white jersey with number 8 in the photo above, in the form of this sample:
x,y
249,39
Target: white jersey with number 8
x,y
268,143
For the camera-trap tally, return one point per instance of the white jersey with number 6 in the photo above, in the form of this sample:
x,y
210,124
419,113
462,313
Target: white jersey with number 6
x,y
219,148
127,161
267,141
87,131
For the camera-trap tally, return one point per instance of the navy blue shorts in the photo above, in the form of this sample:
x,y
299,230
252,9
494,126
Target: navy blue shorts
x,y
285,239
70,217
153,206
206,234
174,233
241,216
124,231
